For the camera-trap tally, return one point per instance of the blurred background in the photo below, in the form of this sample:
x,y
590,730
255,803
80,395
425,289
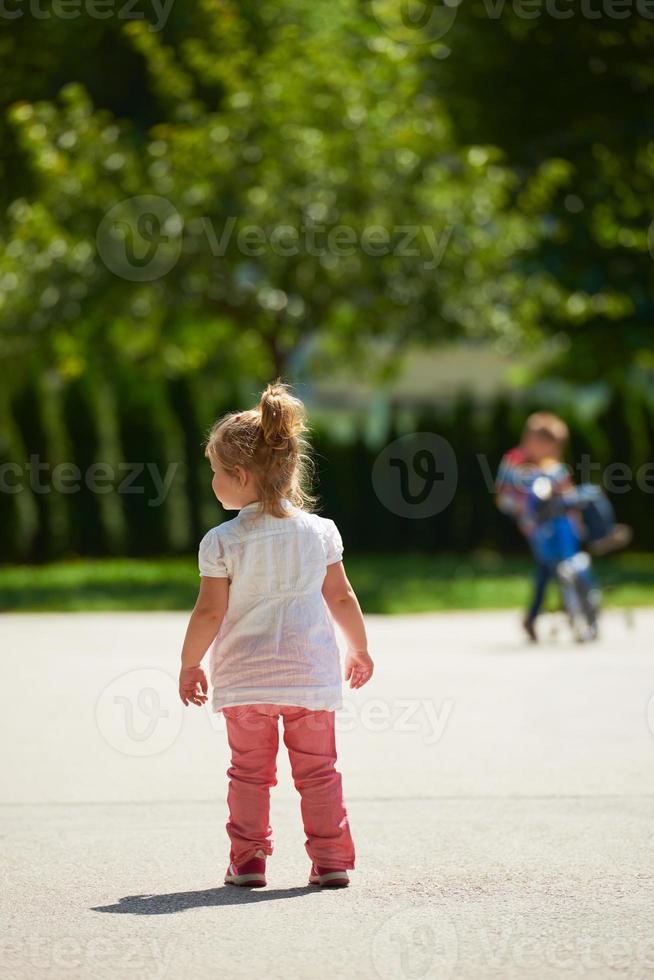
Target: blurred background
x,y
429,218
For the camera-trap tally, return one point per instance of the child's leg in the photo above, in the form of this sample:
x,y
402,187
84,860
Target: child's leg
x,y
253,735
541,580
311,742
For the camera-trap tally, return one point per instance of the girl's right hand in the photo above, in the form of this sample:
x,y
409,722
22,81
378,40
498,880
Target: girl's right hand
x,y
358,667
193,685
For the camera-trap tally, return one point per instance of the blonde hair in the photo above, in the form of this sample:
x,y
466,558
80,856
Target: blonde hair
x,y
270,442
549,425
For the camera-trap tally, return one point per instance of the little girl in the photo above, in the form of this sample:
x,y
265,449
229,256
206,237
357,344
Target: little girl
x,y
268,579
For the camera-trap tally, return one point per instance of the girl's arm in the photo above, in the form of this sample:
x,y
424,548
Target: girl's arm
x,y
344,607
207,615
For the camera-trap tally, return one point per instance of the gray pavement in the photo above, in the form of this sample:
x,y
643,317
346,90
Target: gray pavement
x,y
501,798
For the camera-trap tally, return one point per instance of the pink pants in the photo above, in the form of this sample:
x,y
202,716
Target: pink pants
x,y
253,735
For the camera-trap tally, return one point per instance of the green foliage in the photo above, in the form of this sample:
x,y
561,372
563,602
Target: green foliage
x,y
431,241
147,434
309,181
574,89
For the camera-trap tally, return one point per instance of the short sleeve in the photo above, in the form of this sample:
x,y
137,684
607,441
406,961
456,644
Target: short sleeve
x,y
211,556
334,543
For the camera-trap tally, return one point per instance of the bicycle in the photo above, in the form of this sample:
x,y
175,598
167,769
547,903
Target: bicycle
x,y
557,541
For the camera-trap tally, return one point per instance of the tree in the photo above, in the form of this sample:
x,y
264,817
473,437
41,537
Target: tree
x,y
573,83
301,185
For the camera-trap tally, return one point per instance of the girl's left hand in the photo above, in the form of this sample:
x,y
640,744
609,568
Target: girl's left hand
x,y
358,667
193,685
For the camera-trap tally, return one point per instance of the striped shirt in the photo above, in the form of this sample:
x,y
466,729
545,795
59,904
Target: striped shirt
x,y
515,478
277,642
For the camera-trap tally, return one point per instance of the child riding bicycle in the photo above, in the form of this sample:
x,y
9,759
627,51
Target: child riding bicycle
x,y
536,488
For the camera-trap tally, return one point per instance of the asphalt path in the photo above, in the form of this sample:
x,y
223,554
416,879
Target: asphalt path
x,y
501,798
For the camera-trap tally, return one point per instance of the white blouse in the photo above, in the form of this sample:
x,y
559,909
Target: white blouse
x,y
277,642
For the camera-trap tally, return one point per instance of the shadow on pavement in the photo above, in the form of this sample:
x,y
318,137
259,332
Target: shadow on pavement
x,y
181,901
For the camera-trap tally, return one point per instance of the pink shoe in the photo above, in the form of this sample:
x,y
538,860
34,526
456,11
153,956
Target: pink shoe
x,y
328,877
251,873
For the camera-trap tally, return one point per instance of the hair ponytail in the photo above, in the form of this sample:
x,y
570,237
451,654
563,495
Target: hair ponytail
x,y
270,440
282,416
